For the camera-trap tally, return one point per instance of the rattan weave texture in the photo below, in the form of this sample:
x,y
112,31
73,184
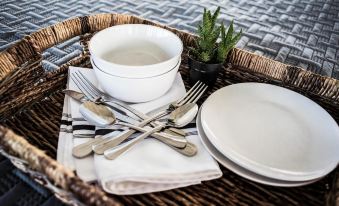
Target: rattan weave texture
x,y
304,33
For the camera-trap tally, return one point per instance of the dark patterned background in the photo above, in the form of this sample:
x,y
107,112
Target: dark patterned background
x,y
298,32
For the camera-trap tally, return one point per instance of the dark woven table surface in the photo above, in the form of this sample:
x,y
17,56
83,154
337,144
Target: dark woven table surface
x,y
299,32
17,189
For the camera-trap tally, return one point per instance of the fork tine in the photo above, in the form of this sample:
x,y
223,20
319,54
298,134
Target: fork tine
x,y
200,94
91,85
80,86
196,93
192,93
77,83
188,92
86,86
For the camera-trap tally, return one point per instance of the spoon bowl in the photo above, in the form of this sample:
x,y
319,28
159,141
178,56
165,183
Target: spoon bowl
x,y
184,114
97,114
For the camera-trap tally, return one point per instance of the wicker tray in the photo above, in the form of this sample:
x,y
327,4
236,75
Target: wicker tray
x,y
31,106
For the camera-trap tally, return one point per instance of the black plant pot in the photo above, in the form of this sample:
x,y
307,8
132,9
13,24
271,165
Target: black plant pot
x,y
206,73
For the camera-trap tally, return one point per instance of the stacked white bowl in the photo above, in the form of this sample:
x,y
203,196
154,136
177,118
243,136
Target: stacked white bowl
x,y
135,62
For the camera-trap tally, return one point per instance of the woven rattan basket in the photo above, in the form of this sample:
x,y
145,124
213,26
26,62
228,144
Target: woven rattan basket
x,y
31,107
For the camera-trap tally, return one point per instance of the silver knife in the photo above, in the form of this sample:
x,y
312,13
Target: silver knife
x,y
117,111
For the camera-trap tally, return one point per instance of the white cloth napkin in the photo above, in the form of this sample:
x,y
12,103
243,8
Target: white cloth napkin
x,y
148,167
152,166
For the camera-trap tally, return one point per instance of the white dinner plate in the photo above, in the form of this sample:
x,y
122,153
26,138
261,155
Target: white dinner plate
x,y
240,170
272,131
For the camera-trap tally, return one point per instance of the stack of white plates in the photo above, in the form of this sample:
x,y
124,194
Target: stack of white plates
x,y
269,134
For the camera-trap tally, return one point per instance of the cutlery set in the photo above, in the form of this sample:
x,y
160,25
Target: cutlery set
x,y
103,110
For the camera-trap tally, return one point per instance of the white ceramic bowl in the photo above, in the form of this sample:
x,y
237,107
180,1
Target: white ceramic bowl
x,y
136,89
135,50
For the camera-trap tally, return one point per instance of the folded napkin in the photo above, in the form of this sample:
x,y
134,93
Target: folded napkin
x,y
148,167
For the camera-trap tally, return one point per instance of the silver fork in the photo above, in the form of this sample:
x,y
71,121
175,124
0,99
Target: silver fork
x,y
91,94
101,97
192,96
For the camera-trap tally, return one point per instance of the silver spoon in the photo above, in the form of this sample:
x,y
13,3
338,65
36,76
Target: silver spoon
x,y
100,115
178,118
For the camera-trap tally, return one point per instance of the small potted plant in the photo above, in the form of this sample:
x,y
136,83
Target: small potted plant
x,y
208,55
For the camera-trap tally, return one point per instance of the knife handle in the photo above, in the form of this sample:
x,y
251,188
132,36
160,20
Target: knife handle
x,y
114,152
102,147
85,149
82,150
112,142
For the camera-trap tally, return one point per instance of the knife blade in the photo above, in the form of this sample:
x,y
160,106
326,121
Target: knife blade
x,y
118,112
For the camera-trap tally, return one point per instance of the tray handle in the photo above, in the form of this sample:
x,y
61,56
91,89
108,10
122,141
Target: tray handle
x,y
46,171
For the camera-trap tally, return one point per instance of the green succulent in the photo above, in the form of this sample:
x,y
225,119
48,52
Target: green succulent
x,y
206,48
228,41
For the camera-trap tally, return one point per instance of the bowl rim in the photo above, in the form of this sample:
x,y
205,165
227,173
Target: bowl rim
x,y
138,25
94,65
